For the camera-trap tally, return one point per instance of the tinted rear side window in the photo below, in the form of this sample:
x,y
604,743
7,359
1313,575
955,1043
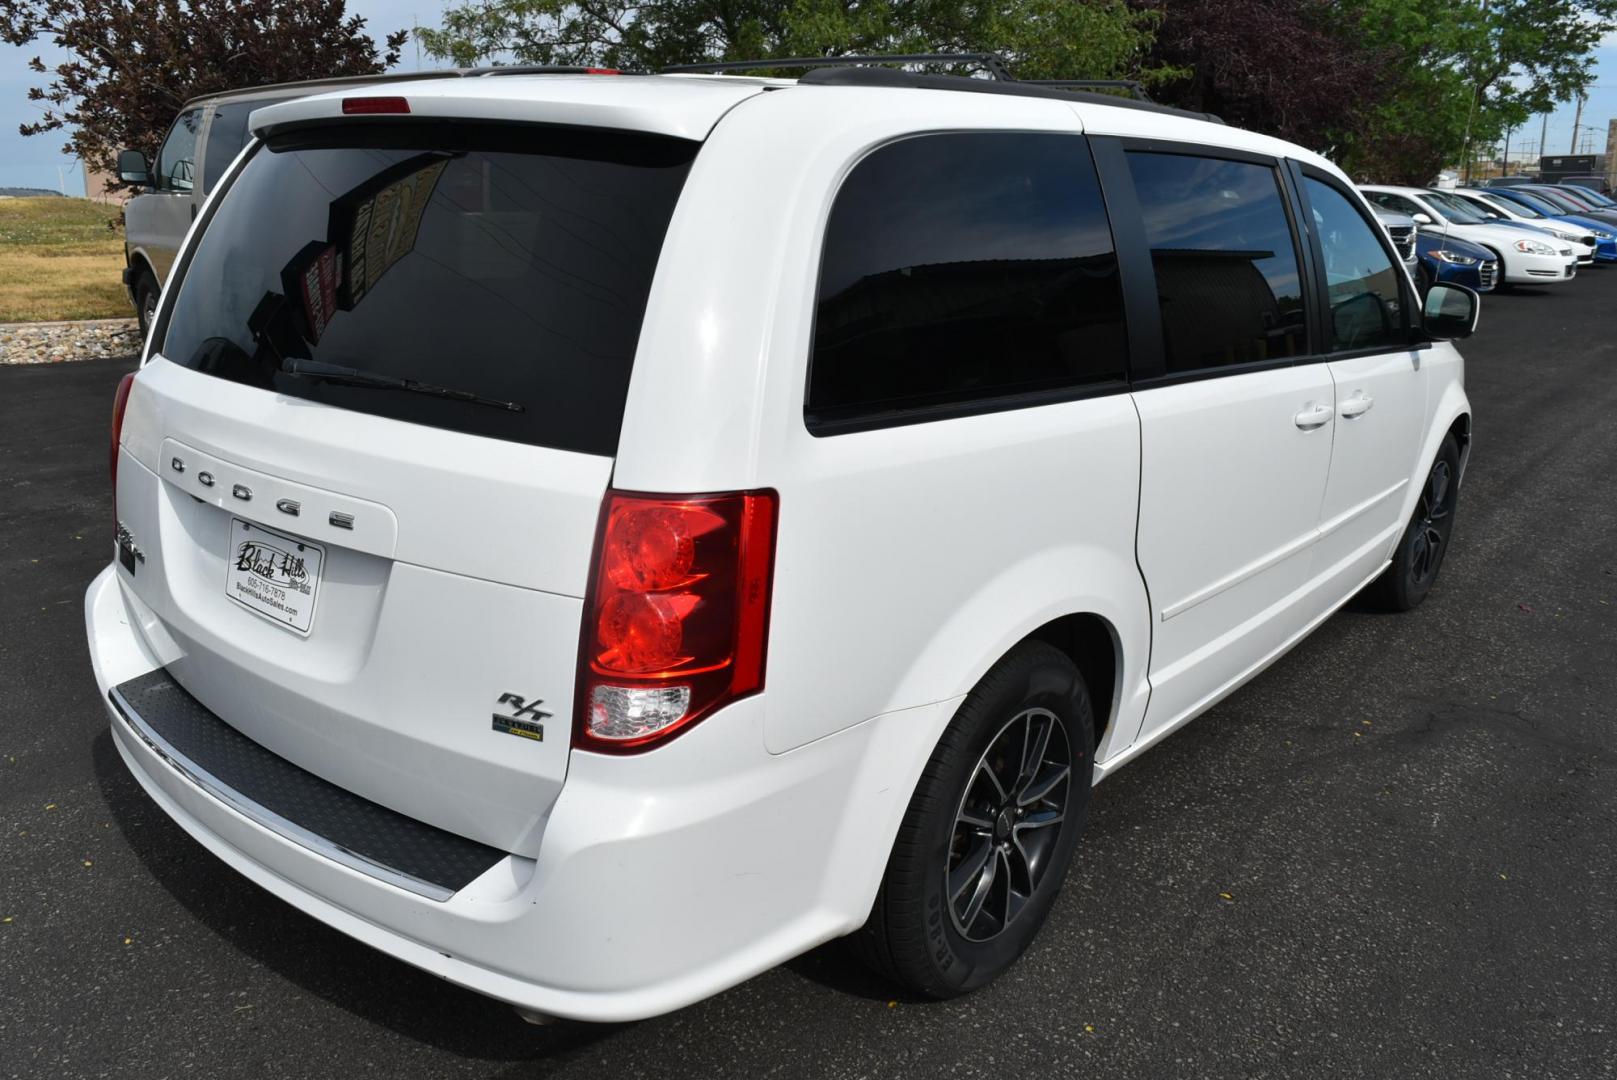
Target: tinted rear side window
x,y
508,262
1226,265
960,270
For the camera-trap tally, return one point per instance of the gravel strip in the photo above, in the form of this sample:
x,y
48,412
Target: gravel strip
x,y
57,342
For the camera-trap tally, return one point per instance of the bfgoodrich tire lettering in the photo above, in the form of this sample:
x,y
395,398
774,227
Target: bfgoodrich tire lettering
x,y
990,830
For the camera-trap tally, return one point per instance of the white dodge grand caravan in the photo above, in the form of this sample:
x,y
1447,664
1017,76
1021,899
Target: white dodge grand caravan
x,y
595,537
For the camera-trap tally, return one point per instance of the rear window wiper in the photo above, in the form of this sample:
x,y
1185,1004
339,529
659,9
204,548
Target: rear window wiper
x,y
347,376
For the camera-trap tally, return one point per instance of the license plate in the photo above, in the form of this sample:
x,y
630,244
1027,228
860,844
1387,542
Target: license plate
x,y
273,575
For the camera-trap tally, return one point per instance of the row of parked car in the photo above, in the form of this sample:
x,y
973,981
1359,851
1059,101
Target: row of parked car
x,y
1485,238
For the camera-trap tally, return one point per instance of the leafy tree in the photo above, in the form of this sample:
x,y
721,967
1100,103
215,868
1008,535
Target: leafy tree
x,y
1465,73
134,64
1292,68
1041,38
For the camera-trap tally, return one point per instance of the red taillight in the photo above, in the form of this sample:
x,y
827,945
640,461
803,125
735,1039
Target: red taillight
x,y
602,71
677,614
120,399
360,106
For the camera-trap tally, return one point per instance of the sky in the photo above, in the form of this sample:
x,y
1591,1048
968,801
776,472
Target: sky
x,y
37,161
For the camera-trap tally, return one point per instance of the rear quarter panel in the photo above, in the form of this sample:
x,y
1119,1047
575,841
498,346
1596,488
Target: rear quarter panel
x,y
909,559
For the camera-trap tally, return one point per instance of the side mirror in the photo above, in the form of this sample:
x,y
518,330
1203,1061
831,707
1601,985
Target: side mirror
x,y
1421,219
1450,311
132,167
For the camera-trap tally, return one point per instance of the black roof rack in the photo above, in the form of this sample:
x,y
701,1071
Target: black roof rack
x,y
865,71
548,69
1135,90
992,63
876,76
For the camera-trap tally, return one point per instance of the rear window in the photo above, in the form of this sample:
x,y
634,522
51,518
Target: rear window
x,y
507,262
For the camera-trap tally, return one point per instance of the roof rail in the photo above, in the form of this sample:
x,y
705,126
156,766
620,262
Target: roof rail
x,y
547,69
992,63
878,76
1135,90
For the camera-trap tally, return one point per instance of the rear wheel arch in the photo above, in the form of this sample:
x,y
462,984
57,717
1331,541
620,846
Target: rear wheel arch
x,y
1092,644
140,264
1461,430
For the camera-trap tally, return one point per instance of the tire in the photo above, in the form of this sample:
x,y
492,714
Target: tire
x,y
1426,538
916,935
147,292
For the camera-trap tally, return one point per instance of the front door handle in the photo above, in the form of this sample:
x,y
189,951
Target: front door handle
x,y
1315,416
1357,405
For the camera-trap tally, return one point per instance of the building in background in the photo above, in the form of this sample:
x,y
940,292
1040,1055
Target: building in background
x,y
97,187
1557,167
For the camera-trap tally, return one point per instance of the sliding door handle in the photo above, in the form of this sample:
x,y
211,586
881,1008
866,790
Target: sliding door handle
x,y
1315,416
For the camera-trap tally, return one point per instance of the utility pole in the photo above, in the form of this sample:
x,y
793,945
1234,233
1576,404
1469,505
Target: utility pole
x,y
1504,169
1577,122
1543,133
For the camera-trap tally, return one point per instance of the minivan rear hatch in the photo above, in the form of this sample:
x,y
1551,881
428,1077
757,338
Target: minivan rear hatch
x,y
372,443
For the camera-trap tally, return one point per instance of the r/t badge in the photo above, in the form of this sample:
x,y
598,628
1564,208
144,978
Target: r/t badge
x,y
521,717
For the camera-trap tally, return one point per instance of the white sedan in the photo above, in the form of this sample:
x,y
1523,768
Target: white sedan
x,y
1524,258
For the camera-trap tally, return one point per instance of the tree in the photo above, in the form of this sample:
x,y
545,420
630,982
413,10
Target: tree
x,y
1467,71
1041,38
1296,69
134,64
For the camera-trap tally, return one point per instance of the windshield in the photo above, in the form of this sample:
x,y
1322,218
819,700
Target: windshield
x,y
509,262
1528,201
1456,210
1562,204
1508,206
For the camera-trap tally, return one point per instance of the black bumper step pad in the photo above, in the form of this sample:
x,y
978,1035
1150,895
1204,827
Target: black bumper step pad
x,y
322,816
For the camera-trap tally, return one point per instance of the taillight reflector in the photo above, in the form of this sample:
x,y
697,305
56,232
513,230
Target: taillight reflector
x,y
677,614
356,106
120,401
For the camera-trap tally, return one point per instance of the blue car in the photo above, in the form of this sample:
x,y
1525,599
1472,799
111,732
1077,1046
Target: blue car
x,y
1445,258
1536,208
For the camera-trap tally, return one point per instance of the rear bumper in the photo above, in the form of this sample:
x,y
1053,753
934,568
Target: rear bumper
x,y
661,879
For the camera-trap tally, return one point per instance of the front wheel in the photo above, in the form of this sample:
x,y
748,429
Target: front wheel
x,y
1426,538
990,830
147,292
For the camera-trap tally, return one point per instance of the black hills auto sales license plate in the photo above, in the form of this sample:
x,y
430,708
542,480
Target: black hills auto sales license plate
x,y
273,575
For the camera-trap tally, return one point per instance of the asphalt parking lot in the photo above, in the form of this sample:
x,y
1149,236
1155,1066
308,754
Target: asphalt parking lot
x,y
1394,854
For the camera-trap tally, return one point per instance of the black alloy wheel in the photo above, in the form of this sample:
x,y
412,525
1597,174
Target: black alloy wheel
x,y
1007,824
1427,537
990,829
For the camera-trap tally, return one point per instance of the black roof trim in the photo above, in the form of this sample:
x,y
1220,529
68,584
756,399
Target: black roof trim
x,y
1135,89
877,76
992,63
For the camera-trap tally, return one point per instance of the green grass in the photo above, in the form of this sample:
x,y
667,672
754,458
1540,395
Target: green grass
x,y
60,260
